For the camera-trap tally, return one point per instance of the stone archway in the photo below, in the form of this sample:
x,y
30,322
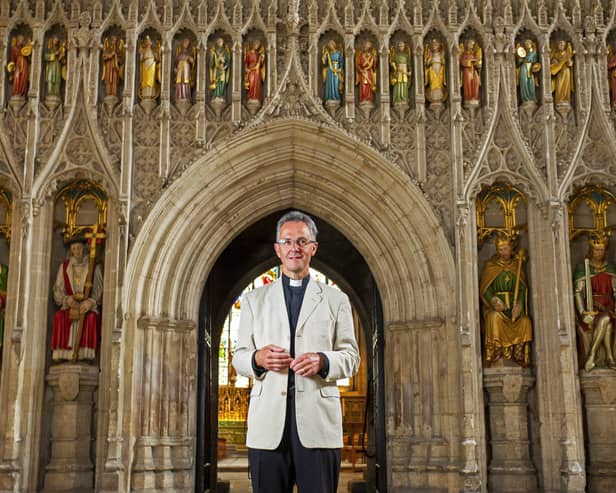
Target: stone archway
x,y
373,204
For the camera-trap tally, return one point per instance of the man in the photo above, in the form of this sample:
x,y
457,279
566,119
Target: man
x,y
595,317
508,330
75,308
296,339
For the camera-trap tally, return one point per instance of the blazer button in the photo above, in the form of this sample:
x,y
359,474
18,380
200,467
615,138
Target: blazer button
x,y
283,393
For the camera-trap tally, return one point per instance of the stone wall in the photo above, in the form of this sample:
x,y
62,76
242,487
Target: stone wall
x,y
398,181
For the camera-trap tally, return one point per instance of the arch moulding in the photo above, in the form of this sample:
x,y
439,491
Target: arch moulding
x,y
272,167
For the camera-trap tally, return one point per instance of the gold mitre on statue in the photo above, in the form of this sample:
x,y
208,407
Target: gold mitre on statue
x,y
599,239
505,238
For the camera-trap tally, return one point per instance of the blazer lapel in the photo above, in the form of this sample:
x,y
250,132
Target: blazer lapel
x,y
312,298
280,307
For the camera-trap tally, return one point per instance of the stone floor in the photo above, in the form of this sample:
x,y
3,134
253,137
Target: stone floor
x,y
234,468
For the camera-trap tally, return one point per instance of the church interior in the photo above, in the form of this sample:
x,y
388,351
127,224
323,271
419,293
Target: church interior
x,y
458,158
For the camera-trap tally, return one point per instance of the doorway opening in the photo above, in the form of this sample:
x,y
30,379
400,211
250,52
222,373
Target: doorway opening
x,y
222,401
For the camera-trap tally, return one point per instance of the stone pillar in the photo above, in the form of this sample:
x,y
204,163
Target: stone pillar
x,y
510,468
599,389
70,465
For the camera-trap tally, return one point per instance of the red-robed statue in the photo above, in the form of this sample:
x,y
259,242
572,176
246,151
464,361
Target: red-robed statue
x,y
79,302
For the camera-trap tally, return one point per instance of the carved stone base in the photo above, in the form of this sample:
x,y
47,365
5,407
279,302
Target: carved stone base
x,y
332,105
253,105
471,104
563,108
148,105
183,105
110,102
17,103
52,102
511,468
400,107
70,467
218,104
529,107
599,389
366,107
435,97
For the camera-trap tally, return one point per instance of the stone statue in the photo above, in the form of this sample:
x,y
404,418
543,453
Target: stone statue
x,y
611,70
527,70
434,66
366,60
400,63
332,61
471,59
149,58
595,296
55,67
503,289
77,309
114,54
19,64
561,68
220,63
254,72
185,69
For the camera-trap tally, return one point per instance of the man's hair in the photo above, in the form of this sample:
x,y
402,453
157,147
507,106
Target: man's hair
x,y
298,216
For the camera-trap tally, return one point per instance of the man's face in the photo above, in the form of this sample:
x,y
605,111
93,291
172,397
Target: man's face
x,y
504,251
77,250
295,260
597,253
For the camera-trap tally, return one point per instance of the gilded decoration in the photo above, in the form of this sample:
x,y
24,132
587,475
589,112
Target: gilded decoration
x,y
503,286
74,195
6,199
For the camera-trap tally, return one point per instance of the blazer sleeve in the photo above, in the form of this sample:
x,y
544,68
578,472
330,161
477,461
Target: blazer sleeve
x,y
242,357
344,357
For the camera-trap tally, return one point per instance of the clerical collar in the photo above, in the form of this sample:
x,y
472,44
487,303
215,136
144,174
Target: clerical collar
x,y
295,283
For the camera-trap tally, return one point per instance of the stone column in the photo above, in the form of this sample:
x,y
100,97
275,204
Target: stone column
x,y
70,466
599,389
510,468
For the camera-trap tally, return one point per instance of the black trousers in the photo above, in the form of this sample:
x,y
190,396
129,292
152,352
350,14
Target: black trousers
x,y
276,471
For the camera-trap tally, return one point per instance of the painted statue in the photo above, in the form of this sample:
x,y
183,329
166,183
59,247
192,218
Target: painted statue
x,y
55,66
185,68
114,54
149,60
254,70
561,68
527,70
507,328
19,64
595,296
332,61
366,60
77,312
400,72
471,59
434,67
220,64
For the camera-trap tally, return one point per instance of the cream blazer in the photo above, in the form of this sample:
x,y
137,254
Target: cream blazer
x,y
325,324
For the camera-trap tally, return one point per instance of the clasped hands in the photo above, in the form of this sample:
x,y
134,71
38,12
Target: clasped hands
x,y
276,358
83,306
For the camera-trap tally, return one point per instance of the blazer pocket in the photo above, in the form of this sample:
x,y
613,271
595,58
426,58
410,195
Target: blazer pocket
x,y
256,389
330,391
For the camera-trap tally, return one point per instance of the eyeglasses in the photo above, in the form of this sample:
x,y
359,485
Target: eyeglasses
x,y
300,242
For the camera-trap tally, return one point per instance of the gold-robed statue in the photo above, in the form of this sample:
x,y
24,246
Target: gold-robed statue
x,y
434,69
561,68
150,58
508,331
